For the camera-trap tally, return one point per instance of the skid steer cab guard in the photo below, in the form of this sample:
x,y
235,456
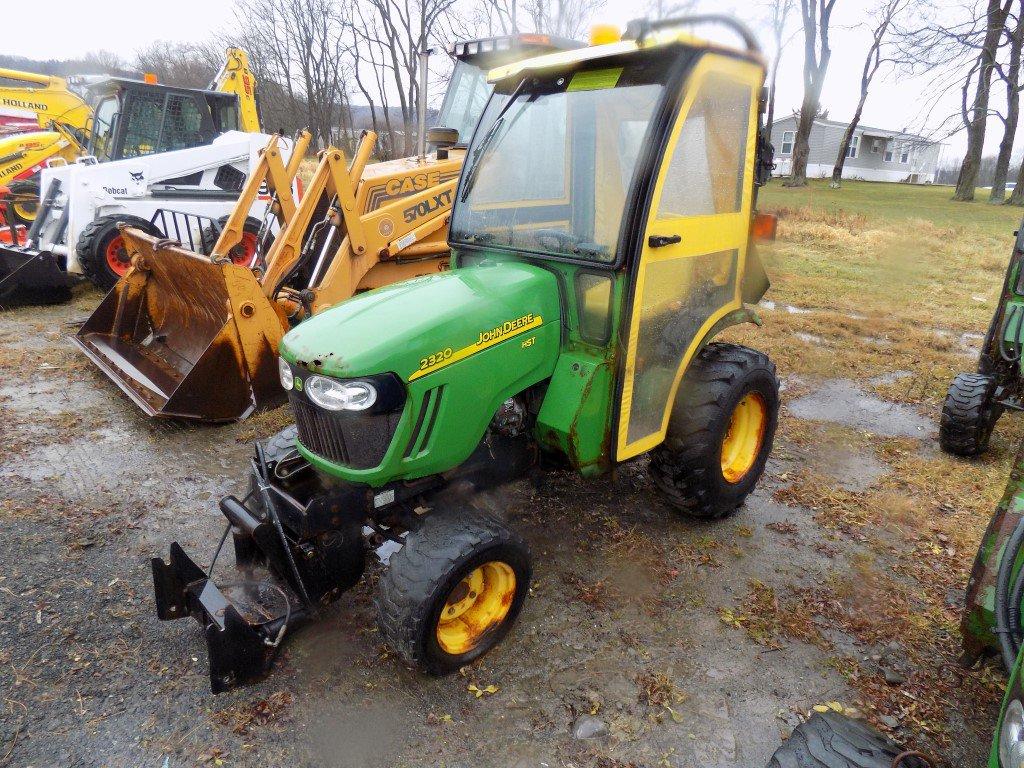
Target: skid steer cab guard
x,y
601,239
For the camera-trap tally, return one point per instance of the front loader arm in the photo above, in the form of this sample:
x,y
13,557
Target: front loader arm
x,y
49,97
411,224
278,177
333,179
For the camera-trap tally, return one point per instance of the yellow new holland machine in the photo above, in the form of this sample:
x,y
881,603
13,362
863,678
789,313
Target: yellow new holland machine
x,y
190,336
42,120
46,122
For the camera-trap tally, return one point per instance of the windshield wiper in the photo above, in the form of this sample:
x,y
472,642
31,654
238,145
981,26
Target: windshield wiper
x,y
474,164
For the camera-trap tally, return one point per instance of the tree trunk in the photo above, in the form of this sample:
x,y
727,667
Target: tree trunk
x,y
844,145
1017,196
801,145
968,178
816,28
1012,111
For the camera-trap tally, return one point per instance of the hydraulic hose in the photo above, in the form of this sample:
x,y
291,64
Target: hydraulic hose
x,y
1009,641
1011,350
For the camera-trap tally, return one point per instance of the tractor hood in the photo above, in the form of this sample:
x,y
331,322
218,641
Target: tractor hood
x,y
421,326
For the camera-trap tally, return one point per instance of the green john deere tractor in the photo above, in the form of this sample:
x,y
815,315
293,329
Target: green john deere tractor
x,y
601,238
975,401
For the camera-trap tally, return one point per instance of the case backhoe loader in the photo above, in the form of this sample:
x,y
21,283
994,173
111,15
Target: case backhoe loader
x,y
148,144
601,236
192,337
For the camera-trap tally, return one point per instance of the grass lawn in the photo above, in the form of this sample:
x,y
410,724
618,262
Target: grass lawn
x,y
869,281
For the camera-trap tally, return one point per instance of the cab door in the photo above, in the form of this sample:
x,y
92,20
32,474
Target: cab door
x,y
694,249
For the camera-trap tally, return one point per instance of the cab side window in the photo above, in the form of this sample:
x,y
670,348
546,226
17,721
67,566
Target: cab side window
x,y
705,176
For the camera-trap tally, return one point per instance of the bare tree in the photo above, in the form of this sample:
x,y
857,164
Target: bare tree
x,y
1010,75
187,65
564,18
389,36
883,21
298,50
976,117
780,11
816,16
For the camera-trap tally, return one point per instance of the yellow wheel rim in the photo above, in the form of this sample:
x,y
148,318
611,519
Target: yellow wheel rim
x,y
475,607
743,440
25,211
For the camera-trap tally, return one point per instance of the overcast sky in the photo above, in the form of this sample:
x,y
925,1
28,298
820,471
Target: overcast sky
x,y
74,27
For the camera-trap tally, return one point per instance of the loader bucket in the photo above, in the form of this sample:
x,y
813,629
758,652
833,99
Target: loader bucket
x,y
186,338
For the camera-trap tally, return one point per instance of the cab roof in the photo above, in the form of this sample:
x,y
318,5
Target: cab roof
x,y
642,36
106,85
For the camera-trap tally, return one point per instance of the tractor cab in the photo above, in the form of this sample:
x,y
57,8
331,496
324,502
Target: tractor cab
x,y
627,172
132,118
601,238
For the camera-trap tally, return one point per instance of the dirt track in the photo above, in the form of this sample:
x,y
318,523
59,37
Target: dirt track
x,y
636,617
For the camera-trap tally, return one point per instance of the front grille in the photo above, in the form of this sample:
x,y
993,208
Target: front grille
x,y
352,439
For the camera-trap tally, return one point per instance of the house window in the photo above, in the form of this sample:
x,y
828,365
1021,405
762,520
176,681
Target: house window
x,y
851,151
875,146
904,154
887,157
787,142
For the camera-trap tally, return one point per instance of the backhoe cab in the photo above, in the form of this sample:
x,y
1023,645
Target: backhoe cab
x,y
601,240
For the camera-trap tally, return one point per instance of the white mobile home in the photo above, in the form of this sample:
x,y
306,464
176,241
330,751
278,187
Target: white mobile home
x,y
875,154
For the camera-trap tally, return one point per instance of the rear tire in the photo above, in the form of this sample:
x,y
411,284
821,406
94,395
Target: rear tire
x,y
720,433
830,740
23,205
968,414
434,575
242,254
101,250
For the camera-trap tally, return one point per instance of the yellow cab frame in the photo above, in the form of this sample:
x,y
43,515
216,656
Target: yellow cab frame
x,y
684,245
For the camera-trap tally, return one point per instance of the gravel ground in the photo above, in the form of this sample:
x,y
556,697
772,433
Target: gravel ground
x,y
627,633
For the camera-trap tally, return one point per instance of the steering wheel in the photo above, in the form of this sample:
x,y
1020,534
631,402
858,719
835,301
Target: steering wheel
x,y
561,237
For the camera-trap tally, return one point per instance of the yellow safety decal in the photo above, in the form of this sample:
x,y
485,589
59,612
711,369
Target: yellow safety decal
x,y
595,79
488,338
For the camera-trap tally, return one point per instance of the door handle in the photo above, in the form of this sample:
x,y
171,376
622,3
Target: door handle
x,y
660,241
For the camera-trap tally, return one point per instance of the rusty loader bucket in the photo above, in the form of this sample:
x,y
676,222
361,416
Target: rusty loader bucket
x,y
185,337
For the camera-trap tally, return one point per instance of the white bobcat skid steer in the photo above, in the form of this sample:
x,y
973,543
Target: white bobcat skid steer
x,y
175,195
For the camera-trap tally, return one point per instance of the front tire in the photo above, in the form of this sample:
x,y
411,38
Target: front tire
x,y
830,740
23,204
101,248
453,591
720,433
968,414
245,250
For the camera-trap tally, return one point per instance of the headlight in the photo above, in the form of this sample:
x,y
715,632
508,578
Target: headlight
x,y
287,377
1011,736
334,395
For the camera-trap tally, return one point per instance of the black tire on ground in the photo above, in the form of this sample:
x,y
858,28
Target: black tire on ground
x,y
24,201
968,414
211,233
687,467
830,740
437,556
97,237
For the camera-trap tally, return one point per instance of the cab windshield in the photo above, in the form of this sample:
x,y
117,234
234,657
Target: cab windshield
x,y
467,95
553,169
104,119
